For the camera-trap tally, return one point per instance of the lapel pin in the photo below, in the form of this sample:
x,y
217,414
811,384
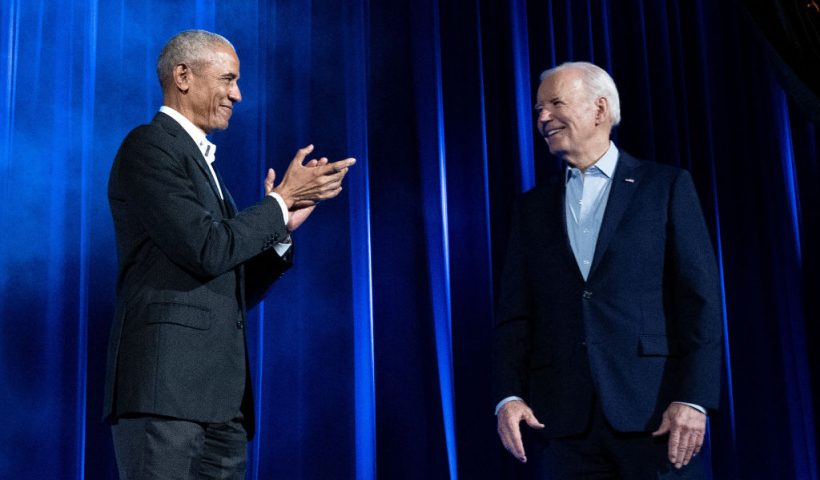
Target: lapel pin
x,y
629,180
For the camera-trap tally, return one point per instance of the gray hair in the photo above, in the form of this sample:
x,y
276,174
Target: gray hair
x,y
191,47
597,82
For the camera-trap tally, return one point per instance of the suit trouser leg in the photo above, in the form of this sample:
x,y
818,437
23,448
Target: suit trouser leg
x,y
150,447
602,453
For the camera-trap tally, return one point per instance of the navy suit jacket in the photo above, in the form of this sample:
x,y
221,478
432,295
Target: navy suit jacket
x,y
643,330
189,267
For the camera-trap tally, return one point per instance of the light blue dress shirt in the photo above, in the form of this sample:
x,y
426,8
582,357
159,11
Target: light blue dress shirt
x,y
586,198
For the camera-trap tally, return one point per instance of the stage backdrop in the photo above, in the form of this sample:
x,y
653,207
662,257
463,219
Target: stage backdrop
x,y
371,357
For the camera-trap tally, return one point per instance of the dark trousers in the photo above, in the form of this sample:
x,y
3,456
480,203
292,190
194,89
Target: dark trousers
x,y
150,447
602,453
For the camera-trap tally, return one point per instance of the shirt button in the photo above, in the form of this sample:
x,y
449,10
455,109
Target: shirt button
x,y
586,262
586,230
587,294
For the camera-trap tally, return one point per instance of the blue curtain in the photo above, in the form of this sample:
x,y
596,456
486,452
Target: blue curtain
x,y
371,357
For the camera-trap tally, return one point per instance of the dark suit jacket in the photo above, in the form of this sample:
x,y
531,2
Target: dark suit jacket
x,y
189,266
642,331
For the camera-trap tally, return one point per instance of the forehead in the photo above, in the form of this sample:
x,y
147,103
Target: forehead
x,y
223,60
563,83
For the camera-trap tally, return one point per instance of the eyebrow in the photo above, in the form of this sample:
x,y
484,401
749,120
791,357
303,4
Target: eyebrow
x,y
547,101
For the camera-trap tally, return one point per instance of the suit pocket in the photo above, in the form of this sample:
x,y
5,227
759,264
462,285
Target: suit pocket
x,y
193,316
656,345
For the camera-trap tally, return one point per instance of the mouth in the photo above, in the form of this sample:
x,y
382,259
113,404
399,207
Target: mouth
x,y
551,132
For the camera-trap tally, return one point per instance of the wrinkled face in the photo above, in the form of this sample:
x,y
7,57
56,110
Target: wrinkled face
x,y
566,113
214,89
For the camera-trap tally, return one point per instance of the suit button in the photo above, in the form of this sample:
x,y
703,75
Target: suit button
x,y
583,344
587,295
240,324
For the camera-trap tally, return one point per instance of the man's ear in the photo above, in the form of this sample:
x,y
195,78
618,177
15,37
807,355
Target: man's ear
x,y
182,77
601,110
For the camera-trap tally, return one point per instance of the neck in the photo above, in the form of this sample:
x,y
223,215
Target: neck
x,y
589,156
175,102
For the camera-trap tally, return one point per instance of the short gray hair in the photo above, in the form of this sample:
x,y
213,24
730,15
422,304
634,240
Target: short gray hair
x,y
191,47
597,82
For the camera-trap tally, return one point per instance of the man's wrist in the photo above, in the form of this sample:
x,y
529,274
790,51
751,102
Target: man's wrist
x,y
506,401
282,205
695,406
286,198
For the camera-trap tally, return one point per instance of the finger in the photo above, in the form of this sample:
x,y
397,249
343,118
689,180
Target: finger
x,y
505,435
332,168
302,153
683,447
532,421
269,181
331,182
674,443
663,428
312,163
327,195
341,164
323,161
690,449
517,443
698,444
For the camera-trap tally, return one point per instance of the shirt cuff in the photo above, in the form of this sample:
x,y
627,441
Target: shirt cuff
x,y
282,205
695,406
282,248
506,401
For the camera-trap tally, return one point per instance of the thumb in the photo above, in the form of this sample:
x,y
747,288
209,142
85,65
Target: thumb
x,y
269,178
663,429
533,422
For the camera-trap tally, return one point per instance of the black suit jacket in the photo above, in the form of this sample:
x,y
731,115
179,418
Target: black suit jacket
x,y
643,330
189,266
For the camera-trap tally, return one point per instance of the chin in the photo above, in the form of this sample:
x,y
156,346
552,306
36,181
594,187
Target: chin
x,y
556,151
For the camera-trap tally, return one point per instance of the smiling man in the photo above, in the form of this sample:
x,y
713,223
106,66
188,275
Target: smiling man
x,y
607,339
190,264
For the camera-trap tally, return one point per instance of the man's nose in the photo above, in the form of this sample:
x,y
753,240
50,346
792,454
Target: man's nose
x,y
544,115
235,95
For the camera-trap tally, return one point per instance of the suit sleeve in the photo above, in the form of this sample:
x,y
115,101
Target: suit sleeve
x,y
158,188
511,343
695,297
262,271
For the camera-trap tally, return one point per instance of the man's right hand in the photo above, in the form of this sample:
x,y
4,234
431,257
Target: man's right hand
x,y
510,416
303,186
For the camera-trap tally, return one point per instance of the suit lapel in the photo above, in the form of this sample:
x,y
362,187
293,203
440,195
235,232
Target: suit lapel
x,y
626,179
555,214
230,206
175,129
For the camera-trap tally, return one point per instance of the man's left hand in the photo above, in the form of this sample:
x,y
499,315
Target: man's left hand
x,y
296,217
686,428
